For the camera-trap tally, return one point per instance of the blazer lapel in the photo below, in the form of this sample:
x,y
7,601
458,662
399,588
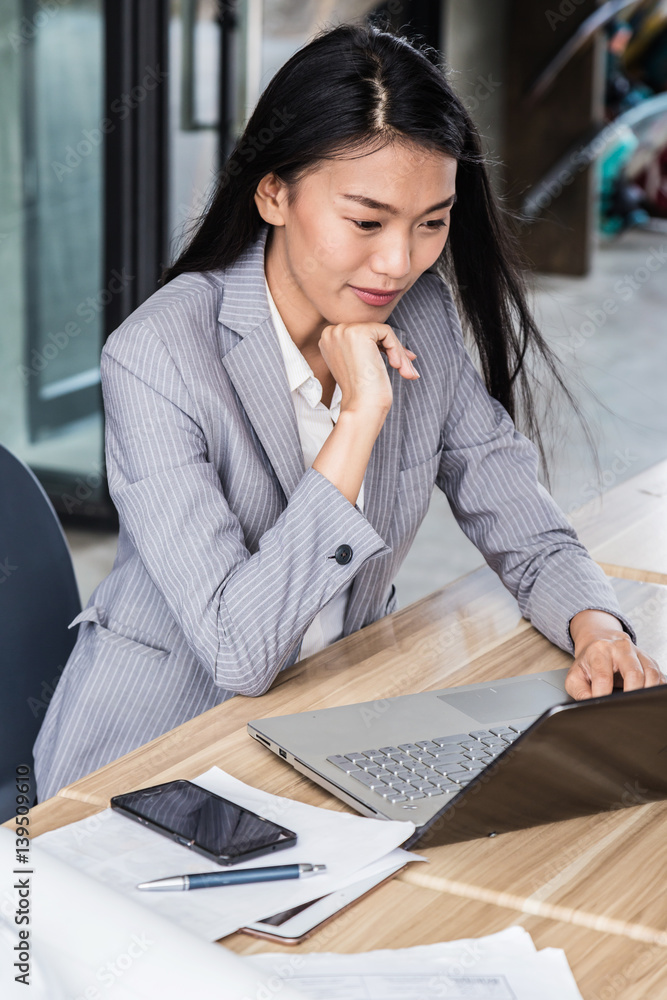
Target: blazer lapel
x,y
255,364
257,370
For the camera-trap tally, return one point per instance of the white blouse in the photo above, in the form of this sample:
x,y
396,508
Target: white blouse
x,y
315,422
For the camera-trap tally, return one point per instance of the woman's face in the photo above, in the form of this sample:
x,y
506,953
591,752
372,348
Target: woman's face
x,y
371,222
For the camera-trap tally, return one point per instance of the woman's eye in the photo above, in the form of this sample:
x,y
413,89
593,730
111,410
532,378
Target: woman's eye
x,y
362,223
367,225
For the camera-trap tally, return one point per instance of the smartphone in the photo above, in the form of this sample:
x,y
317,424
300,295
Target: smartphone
x,y
203,821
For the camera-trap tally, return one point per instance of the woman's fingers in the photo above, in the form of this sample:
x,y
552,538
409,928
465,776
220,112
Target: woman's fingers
x,y
653,675
606,663
399,357
351,352
577,682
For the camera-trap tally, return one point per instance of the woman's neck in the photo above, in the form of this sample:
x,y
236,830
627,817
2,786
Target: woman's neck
x,y
303,322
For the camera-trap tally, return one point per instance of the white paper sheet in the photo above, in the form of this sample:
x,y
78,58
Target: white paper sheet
x,y
88,942
118,851
504,966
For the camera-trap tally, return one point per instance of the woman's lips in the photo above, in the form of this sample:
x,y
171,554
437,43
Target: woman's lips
x,y
372,298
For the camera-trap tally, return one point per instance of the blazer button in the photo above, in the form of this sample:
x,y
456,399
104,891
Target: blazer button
x,y
343,554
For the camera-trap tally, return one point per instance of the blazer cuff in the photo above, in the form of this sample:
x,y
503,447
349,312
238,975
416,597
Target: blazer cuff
x,y
570,582
347,525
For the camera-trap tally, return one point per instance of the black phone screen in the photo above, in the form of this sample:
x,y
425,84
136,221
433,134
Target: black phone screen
x,y
215,825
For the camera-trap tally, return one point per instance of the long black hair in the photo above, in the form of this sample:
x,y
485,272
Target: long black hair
x,y
358,86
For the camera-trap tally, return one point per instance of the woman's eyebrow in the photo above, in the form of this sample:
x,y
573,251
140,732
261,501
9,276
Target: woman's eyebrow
x,y
381,206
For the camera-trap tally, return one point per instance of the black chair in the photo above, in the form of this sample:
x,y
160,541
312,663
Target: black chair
x,y
38,600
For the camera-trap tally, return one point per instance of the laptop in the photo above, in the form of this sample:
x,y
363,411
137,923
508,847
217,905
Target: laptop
x,y
482,759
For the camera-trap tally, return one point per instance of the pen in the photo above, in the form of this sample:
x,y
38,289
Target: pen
x,y
206,880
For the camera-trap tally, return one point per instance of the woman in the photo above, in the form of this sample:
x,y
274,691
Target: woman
x,y
271,448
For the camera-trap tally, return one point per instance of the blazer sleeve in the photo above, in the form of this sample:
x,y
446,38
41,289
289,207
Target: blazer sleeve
x,y
489,473
242,614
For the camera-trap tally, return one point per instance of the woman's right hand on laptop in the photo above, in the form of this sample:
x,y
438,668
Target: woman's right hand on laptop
x,y
606,657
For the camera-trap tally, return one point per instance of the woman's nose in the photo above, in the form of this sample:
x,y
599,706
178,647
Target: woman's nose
x,y
392,258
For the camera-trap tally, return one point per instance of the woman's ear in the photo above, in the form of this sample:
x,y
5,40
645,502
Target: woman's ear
x,y
270,198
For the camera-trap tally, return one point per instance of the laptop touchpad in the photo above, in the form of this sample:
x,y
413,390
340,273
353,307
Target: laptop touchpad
x,y
507,701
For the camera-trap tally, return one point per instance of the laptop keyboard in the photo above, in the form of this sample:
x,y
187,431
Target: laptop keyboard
x,y
441,766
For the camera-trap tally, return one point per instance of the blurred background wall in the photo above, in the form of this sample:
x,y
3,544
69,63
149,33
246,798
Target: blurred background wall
x,y
116,116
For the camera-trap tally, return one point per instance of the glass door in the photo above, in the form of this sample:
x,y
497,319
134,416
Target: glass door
x,y
83,221
52,288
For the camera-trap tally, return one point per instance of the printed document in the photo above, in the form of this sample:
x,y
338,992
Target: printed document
x,y
119,852
504,966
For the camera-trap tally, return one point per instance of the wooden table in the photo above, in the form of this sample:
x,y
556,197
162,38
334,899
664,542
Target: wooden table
x,y
588,885
592,886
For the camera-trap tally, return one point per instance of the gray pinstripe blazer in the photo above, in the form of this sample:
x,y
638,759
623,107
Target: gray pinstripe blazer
x,y
226,542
